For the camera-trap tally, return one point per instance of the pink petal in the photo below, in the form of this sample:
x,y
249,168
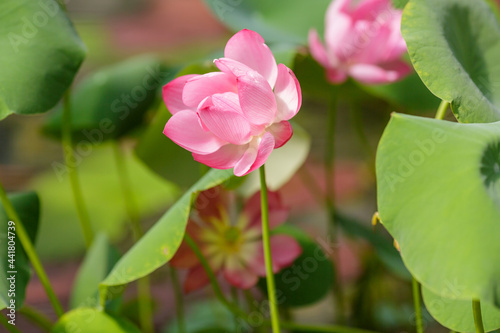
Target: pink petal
x,y
255,94
338,30
172,94
396,44
376,74
202,86
282,132
249,48
284,250
336,76
383,41
209,202
317,49
266,147
370,10
221,114
185,130
196,278
241,278
287,93
254,158
224,158
243,166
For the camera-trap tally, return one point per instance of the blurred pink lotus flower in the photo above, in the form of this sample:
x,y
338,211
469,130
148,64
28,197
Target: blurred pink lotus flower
x,y
362,41
236,117
234,249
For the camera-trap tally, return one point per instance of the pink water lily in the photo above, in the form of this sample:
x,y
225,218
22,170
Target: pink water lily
x,y
236,117
234,247
363,41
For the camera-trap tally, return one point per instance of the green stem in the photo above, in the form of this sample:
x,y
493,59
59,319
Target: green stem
x,y
30,251
37,318
144,304
441,111
330,196
478,318
179,300
72,172
240,313
211,276
418,306
128,196
143,285
236,310
271,289
9,327
357,123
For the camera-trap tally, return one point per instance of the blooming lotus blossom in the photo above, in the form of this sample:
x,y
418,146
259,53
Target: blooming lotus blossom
x,y
236,117
362,41
234,248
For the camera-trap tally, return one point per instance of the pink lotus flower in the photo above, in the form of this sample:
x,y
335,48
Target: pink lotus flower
x,y
235,117
362,41
234,249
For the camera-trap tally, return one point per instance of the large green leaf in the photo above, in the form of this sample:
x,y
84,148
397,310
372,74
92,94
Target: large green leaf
x,y
457,314
161,242
454,46
277,21
112,101
438,186
41,54
27,206
92,320
98,262
309,278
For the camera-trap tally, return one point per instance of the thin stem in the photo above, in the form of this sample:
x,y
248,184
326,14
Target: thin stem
x,y
9,327
81,209
357,122
330,196
144,304
417,305
30,251
179,300
128,196
143,285
478,317
211,275
37,318
441,111
240,313
271,289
